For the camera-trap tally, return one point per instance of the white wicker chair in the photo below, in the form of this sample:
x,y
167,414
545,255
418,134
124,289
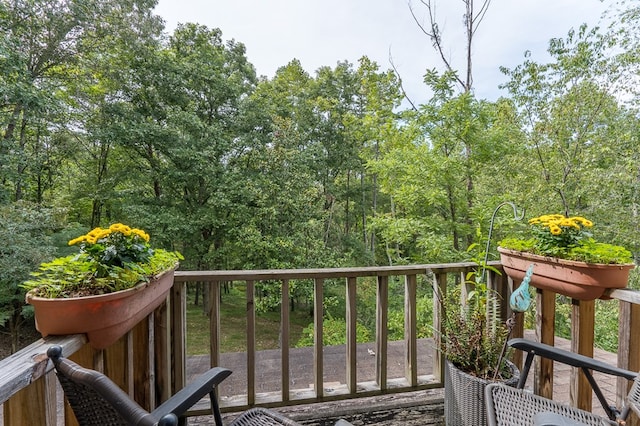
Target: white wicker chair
x,y
507,406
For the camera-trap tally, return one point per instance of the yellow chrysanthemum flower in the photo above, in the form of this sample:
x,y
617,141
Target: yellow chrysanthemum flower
x,y
77,240
116,227
140,233
569,223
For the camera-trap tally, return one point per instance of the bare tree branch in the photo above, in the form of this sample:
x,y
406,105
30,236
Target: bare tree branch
x,y
433,32
397,73
472,21
477,20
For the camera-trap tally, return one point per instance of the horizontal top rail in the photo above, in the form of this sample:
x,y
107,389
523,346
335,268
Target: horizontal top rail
x,y
280,274
22,368
625,295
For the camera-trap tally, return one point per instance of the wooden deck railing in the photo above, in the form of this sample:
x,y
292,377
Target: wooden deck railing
x,y
349,387
150,361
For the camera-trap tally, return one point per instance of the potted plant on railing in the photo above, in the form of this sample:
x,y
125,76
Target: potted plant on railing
x,y
114,281
567,259
473,341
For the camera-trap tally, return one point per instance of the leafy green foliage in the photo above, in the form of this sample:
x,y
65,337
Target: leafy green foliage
x,y
26,233
333,333
591,251
605,326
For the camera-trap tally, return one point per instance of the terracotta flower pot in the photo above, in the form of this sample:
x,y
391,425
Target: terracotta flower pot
x,y
578,280
103,318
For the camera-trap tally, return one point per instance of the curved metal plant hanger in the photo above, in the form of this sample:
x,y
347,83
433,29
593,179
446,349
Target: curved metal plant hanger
x,y
493,219
520,299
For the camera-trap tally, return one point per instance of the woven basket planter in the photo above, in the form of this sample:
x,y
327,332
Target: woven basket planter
x,y
464,403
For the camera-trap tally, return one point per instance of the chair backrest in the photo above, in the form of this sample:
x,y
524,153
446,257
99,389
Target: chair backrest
x,y
507,406
95,399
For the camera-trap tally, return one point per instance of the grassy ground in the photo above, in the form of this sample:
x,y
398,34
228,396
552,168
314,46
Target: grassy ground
x,y
233,325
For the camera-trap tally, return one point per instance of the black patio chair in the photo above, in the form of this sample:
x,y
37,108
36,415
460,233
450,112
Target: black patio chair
x,y
96,400
508,406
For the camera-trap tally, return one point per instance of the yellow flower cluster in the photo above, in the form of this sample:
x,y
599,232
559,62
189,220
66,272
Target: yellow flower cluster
x,y
555,222
97,234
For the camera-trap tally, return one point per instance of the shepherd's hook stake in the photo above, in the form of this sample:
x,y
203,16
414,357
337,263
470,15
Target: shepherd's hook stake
x,y
493,218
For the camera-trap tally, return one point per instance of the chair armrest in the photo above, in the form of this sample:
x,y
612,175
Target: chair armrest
x,y
569,358
184,399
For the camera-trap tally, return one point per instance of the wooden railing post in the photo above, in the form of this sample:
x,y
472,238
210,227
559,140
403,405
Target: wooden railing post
x,y
582,335
545,331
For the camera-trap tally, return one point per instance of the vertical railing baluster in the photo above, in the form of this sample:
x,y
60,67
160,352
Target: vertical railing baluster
x,y
318,314
129,365
141,366
284,339
115,362
34,404
214,323
439,295
382,318
351,340
410,334
179,332
251,343
162,351
151,361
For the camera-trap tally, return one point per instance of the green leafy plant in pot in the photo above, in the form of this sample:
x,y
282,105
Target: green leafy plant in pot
x,y
568,238
474,334
473,341
114,281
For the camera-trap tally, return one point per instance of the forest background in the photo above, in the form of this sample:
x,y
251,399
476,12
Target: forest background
x,y
105,118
